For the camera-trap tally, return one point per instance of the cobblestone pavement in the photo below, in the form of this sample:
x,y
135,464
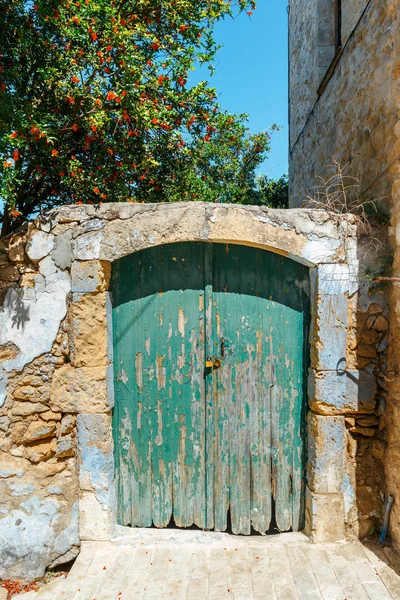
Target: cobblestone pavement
x,y
219,567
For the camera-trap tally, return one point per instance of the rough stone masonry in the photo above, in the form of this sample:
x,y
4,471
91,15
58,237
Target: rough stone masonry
x,y
56,391
345,106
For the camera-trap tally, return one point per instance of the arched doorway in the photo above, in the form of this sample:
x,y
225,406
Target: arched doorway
x,y
210,352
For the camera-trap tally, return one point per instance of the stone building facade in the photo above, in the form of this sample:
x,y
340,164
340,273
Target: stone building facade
x,y
345,107
56,403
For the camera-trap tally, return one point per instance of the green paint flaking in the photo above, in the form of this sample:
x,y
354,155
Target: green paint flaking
x,y
208,440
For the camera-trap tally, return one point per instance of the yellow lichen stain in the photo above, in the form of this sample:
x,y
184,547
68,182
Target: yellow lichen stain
x,y
139,370
201,302
159,438
161,320
259,335
161,468
139,415
134,455
181,357
181,322
160,372
218,319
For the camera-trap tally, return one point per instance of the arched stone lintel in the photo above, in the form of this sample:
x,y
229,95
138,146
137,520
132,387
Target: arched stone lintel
x,y
116,230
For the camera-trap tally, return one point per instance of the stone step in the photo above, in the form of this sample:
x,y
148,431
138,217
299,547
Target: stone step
x,y
257,570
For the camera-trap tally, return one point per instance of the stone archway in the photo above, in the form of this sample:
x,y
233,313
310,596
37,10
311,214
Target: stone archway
x,y
70,251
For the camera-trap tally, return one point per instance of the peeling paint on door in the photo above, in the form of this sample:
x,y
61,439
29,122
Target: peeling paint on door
x,y
213,403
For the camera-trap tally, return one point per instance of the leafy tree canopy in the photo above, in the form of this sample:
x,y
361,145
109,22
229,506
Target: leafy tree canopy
x,y
273,193
95,106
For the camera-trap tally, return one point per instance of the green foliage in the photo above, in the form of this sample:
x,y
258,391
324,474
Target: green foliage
x,y
273,193
95,106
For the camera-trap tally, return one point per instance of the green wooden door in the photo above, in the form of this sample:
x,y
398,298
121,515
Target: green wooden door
x,y
209,362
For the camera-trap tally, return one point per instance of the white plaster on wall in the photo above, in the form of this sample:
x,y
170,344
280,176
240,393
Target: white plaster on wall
x,y
30,318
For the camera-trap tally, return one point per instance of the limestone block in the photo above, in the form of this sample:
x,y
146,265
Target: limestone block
x,y
39,245
67,424
380,324
327,393
62,254
366,351
361,389
94,520
369,336
9,273
93,225
32,380
88,246
8,351
88,333
34,534
23,409
12,466
4,423
40,451
341,392
38,430
365,431
336,279
326,454
329,343
27,393
324,517
95,446
65,446
90,276
49,415
82,390
16,248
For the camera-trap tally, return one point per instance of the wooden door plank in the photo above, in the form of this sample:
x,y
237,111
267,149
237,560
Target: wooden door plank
x,y
159,417
210,391
161,357
283,423
260,420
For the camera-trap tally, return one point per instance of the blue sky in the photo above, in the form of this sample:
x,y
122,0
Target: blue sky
x,y
252,75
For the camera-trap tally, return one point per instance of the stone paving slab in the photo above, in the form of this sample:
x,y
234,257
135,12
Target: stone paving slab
x,y
284,567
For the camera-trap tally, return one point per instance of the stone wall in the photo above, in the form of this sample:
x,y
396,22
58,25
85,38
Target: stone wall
x,y
56,392
38,470
354,118
351,115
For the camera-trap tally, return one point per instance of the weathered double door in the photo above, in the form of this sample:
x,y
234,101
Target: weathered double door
x,y
209,360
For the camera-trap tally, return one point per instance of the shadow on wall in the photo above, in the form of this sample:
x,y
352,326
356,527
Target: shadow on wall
x,y
14,304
